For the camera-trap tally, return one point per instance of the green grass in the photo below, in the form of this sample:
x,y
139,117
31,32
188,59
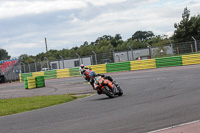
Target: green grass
x,y
18,105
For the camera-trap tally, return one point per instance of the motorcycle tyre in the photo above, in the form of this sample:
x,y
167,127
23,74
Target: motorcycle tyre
x,y
105,90
120,91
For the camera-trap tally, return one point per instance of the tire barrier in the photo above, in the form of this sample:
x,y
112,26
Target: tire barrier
x,y
98,68
34,74
25,75
143,64
34,82
74,72
169,61
50,74
191,59
31,82
116,67
62,73
26,83
40,81
120,66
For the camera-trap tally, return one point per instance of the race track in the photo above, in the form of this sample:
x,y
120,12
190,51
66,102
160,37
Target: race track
x,y
153,99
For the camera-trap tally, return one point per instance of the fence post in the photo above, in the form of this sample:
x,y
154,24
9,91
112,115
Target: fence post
x,y
79,59
95,55
62,61
150,50
131,52
40,64
47,62
24,67
113,54
195,42
35,65
28,66
177,50
192,48
171,47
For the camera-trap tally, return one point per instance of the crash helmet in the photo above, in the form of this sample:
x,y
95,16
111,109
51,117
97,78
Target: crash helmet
x,y
92,74
82,66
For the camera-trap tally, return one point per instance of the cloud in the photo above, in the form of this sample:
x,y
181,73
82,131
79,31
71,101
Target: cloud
x,y
68,23
22,7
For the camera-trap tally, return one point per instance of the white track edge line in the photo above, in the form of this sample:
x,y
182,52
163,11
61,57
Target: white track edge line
x,y
174,126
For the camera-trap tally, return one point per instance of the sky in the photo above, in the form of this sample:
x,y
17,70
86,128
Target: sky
x,y
24,24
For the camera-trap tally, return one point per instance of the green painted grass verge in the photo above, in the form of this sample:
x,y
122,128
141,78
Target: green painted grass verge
x,y
18,105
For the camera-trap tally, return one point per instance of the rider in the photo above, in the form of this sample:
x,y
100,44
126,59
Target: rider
x,y
82,69
93,75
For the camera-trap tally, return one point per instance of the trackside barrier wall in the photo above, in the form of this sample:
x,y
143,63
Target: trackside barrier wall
x,y
120,66
169,61
34,74
50,74
191,59
143,64
116,67
63,73
25,75
98,68
74,72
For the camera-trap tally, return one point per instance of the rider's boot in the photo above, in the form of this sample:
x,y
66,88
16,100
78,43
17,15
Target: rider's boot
x,y
99,92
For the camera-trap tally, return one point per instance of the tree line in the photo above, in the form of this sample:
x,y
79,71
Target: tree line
x,y
187,28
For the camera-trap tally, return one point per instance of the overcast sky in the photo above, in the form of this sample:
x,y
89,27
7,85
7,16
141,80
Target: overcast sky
x,y
67,23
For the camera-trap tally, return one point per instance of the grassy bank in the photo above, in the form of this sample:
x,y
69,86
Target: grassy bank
x,y
18,105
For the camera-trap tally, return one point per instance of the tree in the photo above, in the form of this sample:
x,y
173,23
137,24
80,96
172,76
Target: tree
x,y
142,35
187,28
4,55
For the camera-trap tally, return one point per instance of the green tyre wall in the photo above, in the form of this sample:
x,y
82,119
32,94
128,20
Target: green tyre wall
x,y
74,72
117,67
25,75
40,81
169,61
50,74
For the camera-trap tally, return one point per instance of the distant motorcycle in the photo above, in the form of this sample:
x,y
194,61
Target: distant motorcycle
x,y
86,74
107,87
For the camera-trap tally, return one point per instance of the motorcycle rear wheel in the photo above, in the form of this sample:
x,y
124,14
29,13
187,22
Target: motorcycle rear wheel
x,y
120,93
106,90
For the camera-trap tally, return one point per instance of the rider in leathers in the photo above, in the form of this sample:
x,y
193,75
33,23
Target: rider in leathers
x,y
92,77
82,69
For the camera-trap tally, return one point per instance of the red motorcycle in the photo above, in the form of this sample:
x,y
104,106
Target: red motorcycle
x,y
107,87
86,74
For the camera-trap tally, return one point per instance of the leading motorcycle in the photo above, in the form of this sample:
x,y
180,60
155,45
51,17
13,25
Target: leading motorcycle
x,y
107,87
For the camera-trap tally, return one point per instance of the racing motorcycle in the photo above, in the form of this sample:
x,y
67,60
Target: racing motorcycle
x,y
106,87
86,74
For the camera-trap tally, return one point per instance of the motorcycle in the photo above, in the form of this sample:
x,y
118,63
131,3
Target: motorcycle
x,y
107,87
86,74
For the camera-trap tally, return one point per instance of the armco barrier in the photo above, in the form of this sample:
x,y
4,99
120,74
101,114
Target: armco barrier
x,y
169,61
116,67
191,59
62,73
50,74
143,64
74,72
98,68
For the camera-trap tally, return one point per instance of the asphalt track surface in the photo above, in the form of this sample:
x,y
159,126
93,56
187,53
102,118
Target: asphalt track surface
x,y
153,99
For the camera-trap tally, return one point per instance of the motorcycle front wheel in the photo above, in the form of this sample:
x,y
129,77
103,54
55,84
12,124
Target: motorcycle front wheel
x,y
106,90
